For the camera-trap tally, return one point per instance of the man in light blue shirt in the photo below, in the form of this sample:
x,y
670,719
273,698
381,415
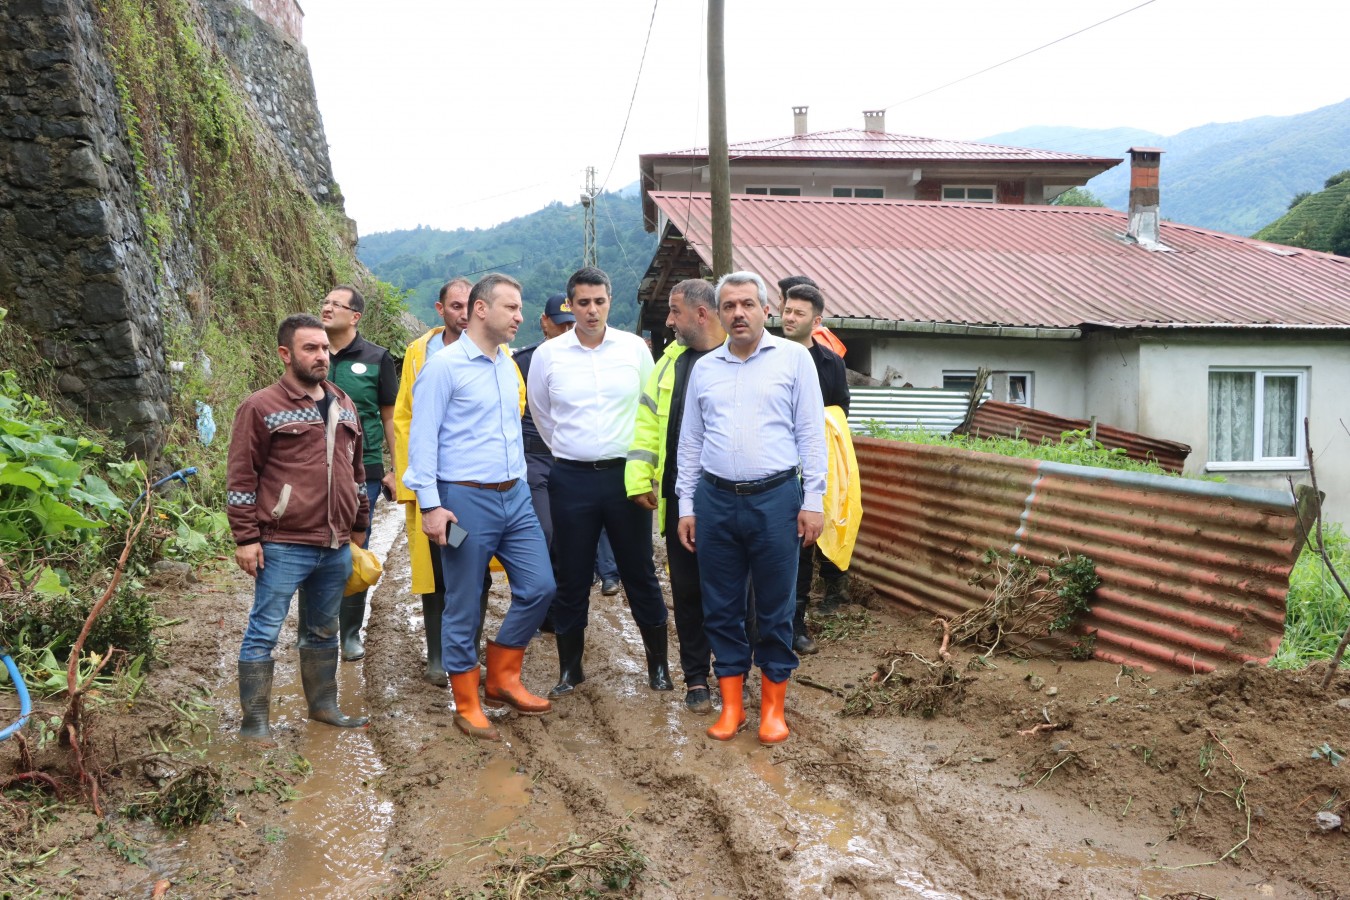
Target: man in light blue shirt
x,y
466,464
753,422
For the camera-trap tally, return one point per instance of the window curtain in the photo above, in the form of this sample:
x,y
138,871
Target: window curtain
x,y
1279,409
1232,416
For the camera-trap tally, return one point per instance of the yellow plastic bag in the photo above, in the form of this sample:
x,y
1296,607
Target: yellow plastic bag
x,y
366,570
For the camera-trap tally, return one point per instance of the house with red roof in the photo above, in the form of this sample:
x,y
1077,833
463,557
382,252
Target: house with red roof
x,y
1221,342
873,164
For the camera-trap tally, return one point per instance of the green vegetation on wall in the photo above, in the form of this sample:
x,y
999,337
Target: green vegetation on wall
x,y
211,188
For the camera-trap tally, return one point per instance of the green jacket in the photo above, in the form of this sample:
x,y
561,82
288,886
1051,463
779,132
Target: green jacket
x,y
647,455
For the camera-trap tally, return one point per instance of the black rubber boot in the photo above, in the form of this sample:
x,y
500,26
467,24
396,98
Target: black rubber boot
x,y
433,608
836,593
255,699
350,616
658,669
571,647
318,674
801,641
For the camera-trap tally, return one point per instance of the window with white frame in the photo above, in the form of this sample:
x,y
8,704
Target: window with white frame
x,y
971,193
1010,387
775,191
863,193
1256,418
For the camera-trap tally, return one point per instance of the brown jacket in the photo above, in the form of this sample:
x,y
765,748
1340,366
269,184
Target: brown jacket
x,y
286,483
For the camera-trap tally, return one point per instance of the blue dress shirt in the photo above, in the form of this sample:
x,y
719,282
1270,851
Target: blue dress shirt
x,y
465,422
748,419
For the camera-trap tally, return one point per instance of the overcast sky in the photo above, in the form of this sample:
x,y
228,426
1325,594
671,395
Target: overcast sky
x,y
453,113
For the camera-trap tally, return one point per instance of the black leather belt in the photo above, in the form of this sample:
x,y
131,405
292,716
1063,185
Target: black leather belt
x,y
499,486
750,487
536,446
593,464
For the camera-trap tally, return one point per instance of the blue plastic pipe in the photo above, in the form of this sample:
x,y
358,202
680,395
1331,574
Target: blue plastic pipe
x,y
25,703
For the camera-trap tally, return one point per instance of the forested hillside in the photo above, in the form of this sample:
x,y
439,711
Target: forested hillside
x,y
541,250
1234,177
1319,221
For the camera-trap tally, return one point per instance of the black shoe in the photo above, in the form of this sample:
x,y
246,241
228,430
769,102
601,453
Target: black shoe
x,y
610,586
803,644
697,699
571,647
654,639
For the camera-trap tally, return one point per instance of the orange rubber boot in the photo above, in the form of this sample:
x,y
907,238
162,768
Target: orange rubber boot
x,y
772,725
503,682
732,720
469,716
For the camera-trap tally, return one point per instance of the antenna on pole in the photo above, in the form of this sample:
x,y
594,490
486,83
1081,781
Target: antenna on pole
x,y
588,195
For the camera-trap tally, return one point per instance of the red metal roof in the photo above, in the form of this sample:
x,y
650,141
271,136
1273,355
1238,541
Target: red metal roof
x,y
1023,266
856,144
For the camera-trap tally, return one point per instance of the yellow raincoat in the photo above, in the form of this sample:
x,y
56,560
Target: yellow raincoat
x,y
843,491
419,548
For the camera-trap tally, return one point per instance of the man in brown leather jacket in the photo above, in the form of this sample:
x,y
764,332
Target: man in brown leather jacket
x,y
296,503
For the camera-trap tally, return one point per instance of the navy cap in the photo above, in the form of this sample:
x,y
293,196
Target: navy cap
x,y
559,310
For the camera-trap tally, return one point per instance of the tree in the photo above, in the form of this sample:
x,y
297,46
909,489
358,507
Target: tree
x,y
1077,196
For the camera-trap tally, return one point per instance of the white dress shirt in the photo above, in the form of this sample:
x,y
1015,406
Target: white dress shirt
x,y
748,419
583,400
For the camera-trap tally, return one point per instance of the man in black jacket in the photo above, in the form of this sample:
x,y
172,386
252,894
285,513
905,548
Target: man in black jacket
x,y
803,308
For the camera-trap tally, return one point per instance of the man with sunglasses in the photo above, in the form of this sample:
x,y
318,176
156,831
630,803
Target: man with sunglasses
x,y
366,373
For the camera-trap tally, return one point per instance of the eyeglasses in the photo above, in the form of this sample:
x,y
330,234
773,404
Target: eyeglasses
x,y
326,303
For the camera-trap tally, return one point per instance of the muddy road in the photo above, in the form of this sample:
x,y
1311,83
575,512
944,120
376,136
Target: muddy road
x,y
956,806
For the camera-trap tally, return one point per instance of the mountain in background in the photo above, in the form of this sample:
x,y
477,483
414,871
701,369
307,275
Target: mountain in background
x,y
1319,221
1234,177
540,250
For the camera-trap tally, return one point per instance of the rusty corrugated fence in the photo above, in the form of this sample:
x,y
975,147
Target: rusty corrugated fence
x,y
1194,574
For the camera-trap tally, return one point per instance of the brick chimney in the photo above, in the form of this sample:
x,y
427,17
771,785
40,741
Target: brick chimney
x,y
874,120
799,120
1144,163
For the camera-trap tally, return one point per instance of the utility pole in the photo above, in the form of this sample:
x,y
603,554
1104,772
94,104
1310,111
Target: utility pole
x,y
719,163
588,195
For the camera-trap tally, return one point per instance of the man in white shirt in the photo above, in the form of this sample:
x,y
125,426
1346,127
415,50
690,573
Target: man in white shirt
x,y
583,393
752,424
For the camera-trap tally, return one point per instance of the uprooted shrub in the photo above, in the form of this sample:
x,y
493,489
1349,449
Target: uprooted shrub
x,y
1027,603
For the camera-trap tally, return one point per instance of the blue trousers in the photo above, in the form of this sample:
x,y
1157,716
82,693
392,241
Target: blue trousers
x,y
585,501
319,573
500,524
752,535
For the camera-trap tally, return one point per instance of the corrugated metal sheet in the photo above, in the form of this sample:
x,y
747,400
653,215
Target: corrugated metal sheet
x,y
989,264
853,143
1194,574
998,419
931,409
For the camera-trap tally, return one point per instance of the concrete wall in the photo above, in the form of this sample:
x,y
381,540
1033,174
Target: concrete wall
x,y
1174,400
1058,385
1111,372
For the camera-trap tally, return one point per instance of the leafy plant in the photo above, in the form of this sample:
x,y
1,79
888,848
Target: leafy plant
x,y
1316,612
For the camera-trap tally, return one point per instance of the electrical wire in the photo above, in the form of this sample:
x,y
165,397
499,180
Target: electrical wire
x,y
1019,56
632,99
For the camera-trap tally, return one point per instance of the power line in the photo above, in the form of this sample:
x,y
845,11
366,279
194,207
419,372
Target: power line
x,y
633,98
1019,56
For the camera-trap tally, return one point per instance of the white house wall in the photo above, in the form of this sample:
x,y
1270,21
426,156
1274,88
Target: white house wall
x,y
1174,401
1111,370
1058,385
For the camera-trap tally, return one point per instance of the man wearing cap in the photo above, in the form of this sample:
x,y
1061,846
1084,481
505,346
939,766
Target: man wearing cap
x,y
367,373
428,580
752,424
583,393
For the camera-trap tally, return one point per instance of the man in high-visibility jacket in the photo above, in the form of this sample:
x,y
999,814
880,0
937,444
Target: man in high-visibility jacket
x,y
650,472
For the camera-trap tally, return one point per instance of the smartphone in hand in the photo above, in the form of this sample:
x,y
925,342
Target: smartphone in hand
x,y
454,535
387,493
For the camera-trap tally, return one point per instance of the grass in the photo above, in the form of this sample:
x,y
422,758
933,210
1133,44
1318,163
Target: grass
x,y
1316,612
1073,447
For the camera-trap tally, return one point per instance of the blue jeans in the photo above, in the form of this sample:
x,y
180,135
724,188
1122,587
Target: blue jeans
x,y
500,524
751,535
606,569
319,573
